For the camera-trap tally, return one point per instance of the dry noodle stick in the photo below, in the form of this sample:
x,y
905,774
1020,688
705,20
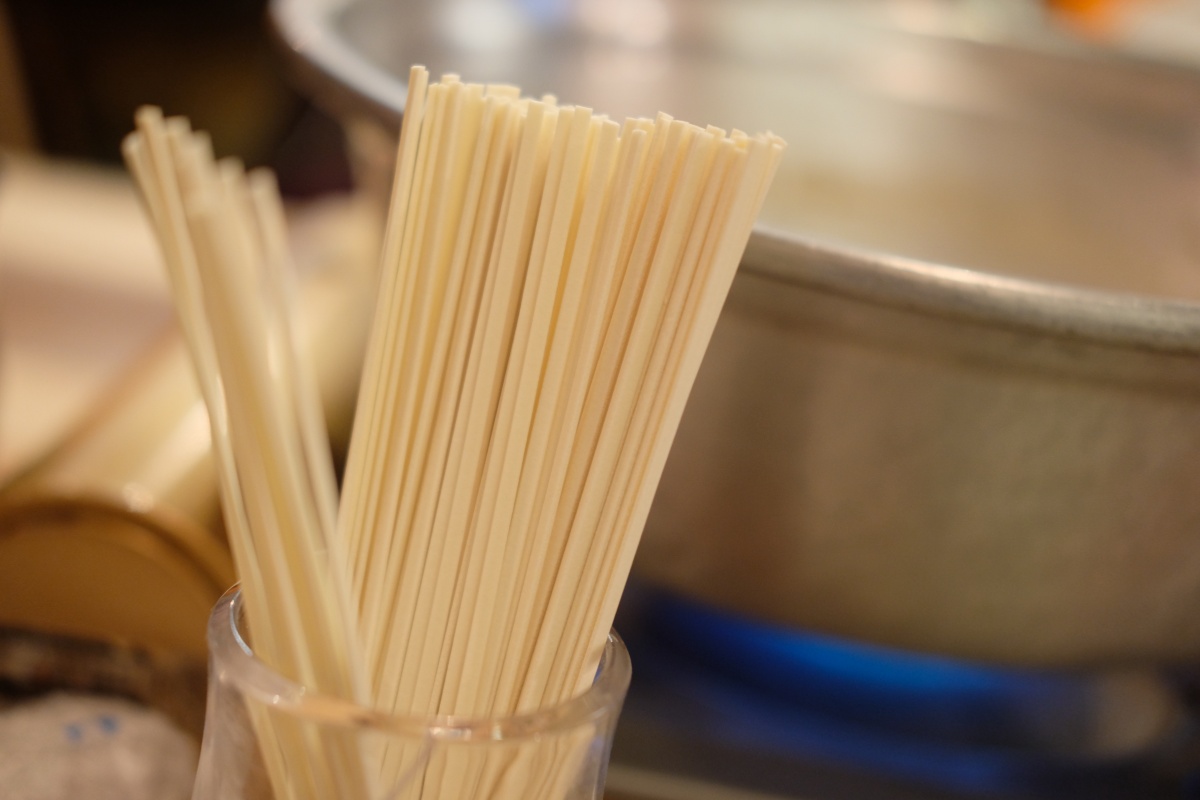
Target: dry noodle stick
x,y
601,375
316,458
443,370
400,663
381,476
364,494
434,610
492,157
762,163
439,264
362,446
149,157
364,451
567,758
307,781
219,219
617,554
599,257
551,770
641,305
493,534
440,208
197,178
523,379
639,374
712,209
264,295
161,196
495,336
491,637
486,492
165,209
330,756
170,227
517,242
593,466
718,186
488,173
549,422
478,256
269,214
447,179
225,253
306,447
221,243
502,453
403,664
622,215
655,131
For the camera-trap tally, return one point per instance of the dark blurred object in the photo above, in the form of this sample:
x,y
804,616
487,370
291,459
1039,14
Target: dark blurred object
x,y
311,159
16,128
35,663
82,718
87,66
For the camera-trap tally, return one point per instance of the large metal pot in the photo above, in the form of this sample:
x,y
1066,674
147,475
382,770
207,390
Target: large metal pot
x,y
928,457
998,460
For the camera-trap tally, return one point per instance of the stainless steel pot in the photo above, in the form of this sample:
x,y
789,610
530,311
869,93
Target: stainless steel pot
x,y
998,460
928,457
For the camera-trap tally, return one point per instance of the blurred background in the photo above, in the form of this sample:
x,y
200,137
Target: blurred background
x,y
74,71
929,529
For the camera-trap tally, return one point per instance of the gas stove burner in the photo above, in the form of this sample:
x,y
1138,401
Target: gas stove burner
x,y
792,714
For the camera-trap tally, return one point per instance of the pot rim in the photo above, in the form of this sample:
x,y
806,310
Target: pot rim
x,y
346,81
1111,318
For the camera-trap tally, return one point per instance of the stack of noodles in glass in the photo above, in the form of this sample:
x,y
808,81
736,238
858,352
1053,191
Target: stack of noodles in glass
x,y
549,281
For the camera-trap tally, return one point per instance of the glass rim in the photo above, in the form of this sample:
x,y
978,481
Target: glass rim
x,y
234,662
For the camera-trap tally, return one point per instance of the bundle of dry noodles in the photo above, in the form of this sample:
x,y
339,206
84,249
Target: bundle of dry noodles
x,y
549,282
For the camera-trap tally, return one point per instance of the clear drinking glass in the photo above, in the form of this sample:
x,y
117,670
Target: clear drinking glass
x,y
267,738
